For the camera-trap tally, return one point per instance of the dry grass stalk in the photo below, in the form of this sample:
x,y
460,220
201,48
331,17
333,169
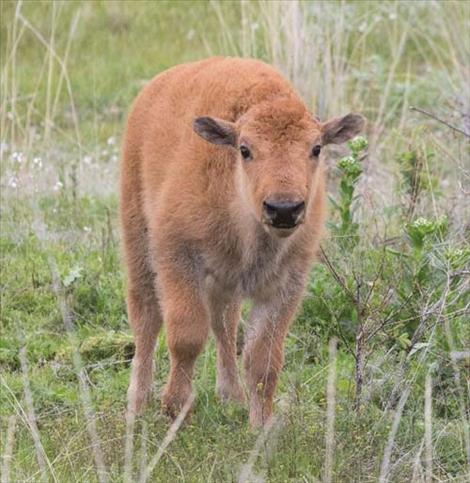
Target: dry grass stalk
x,y
265,440
8,451
80,371
417,468
143,449
31,414
428,428
169,437
385,466
330,413
129,449
129,446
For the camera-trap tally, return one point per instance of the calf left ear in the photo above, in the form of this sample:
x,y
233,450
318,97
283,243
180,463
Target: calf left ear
x,y
341,129
215,131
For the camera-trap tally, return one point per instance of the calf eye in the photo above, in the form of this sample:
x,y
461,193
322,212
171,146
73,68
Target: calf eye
x,y
245,152
316,151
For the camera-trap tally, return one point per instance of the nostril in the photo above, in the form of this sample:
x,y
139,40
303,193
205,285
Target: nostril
x,y
270,209
298,208
283,213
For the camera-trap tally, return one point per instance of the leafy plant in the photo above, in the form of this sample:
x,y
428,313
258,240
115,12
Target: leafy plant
x,y
351,169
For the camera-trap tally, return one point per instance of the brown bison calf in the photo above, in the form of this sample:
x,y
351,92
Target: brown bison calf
x,y
222,200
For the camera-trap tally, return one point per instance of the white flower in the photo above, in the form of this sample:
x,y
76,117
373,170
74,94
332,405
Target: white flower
x,y
13,182
111,141
87,159
37,162
17,156
87,229
58,186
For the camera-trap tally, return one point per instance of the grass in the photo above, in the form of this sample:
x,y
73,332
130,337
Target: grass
x,y
389,400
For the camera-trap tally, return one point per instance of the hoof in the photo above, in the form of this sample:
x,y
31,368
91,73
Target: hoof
x,y
173,404
231,393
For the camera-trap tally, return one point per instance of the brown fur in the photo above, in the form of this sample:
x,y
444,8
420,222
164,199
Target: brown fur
x,y
195,238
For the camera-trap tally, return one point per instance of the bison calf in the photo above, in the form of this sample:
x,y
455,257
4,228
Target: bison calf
x,y
222,199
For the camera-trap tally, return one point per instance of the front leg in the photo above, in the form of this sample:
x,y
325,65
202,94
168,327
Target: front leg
x,y
225,314
186,318
264,353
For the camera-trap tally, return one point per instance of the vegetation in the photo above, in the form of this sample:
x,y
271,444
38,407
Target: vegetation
x,y
375,384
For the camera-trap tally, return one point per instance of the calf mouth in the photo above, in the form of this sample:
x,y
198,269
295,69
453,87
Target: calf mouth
x,y
281,230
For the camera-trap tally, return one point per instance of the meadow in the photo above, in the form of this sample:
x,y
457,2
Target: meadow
x,y
376,383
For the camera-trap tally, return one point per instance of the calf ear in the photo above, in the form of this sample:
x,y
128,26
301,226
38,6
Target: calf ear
x,y
215,131
341,129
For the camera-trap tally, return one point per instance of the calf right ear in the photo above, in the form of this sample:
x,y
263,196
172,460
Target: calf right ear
x,y
215,131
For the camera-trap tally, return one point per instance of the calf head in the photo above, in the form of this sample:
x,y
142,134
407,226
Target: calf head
x,y
278,147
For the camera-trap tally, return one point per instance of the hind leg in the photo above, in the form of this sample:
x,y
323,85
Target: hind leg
x,y
145,320
142,303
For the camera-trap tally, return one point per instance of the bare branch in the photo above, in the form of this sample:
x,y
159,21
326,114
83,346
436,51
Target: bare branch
x,y
433,116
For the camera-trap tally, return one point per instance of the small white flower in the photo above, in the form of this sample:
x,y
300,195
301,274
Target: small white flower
x,y
104,152
37,162
10,116
111,141
87,229
17,156
87,159
114,158
58,186
392,16
13,182
190,34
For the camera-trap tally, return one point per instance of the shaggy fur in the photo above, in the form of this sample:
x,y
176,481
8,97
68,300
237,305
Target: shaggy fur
x,y
195,233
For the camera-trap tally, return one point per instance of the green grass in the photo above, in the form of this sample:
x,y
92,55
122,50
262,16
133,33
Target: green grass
x,y
392,285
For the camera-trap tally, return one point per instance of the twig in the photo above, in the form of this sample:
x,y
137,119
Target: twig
x,y
336,276
433,116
